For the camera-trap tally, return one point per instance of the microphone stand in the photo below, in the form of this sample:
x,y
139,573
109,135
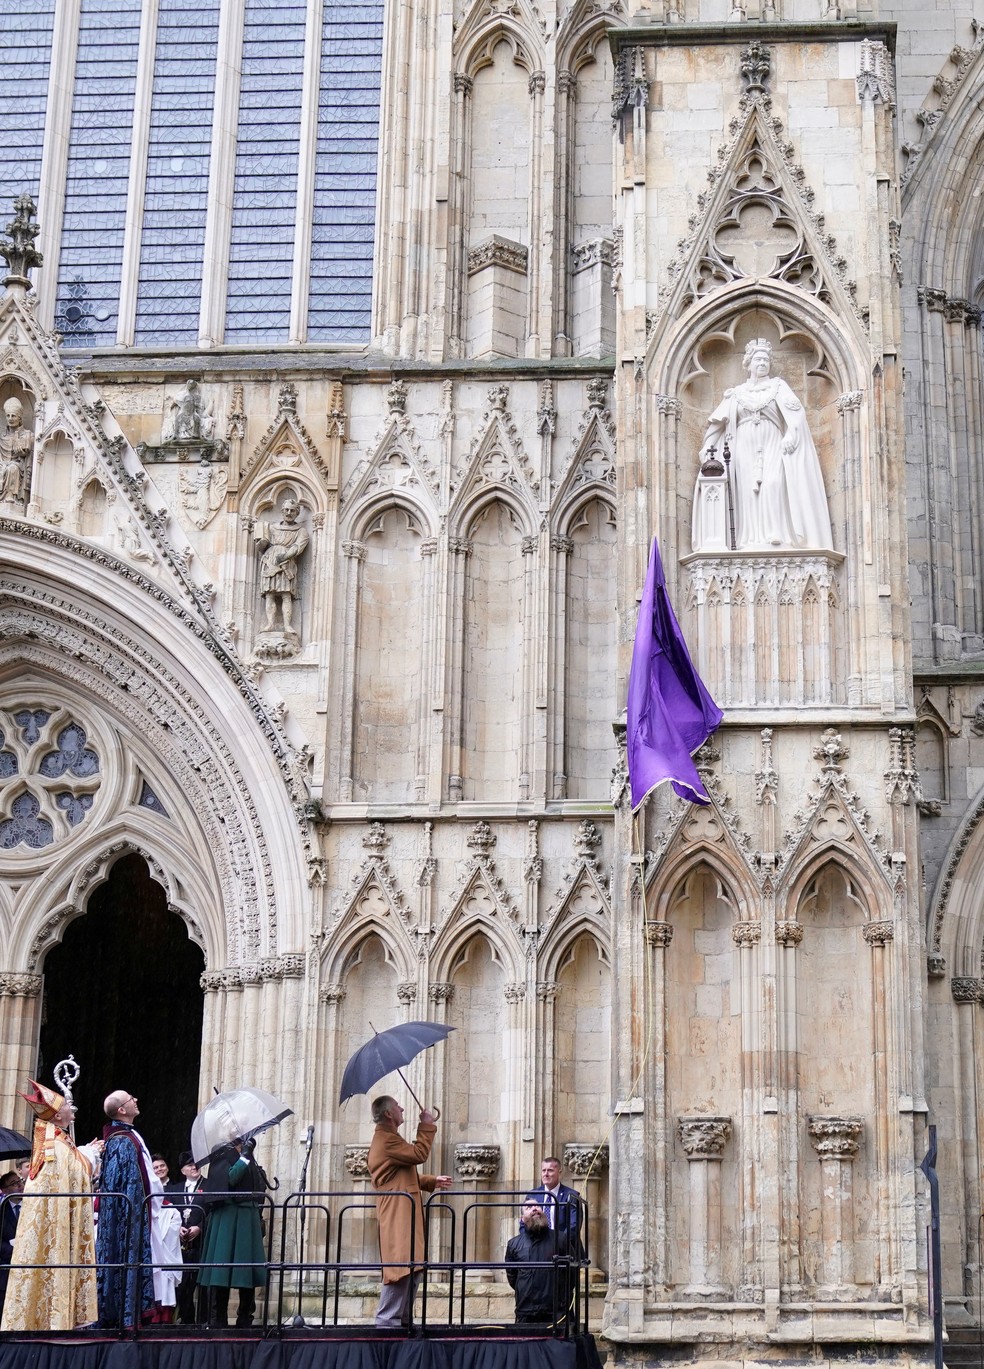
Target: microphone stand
x,y
307,1143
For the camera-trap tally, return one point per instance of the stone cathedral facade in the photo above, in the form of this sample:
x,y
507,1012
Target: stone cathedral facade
x,y
371,345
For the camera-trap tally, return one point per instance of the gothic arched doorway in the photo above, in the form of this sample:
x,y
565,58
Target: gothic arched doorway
x,y
122,994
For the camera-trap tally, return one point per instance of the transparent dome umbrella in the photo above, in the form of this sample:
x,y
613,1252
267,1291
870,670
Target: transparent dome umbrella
x,y
235,1115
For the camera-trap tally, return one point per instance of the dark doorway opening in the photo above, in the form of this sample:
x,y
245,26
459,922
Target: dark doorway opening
x,y
122,994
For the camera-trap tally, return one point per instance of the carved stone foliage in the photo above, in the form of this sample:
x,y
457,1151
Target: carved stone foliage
x,y
17,246
356,1162
836,1138
704,1138
586,1161
472,1161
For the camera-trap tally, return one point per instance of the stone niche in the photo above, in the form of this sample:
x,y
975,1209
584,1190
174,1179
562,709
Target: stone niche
x,y
763,616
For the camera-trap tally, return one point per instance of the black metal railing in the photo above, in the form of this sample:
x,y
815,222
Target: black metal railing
x,y
322,1266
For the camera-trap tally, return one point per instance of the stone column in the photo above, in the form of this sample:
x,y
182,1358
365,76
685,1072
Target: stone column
x,y
789,935
658,937
747,937
360,1230
836,1141
589,1163
879,935
703,1139
475,1166
459,548
355,554
968,992
20,1008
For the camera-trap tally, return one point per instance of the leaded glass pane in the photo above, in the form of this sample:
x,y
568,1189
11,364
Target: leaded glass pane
x,y
173,244
148,799
345,171
25,825
73,757
31,721
98,166
74,806
25,53
8,761
265,194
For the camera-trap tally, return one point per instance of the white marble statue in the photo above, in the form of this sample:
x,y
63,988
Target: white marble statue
x,y
776,483
16,450
285,543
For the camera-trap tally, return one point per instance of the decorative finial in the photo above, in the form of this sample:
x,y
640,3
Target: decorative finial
x,y
18,248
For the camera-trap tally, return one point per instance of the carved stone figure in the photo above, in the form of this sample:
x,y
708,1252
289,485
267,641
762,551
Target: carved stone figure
x,y
776,484
188,418
285,543
16,451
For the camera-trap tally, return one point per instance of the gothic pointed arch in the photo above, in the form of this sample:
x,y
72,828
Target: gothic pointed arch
x,y
497,467
480,906
396,463
374,898
583,29
590,469
584,910
287,449
80,638
756,183
485,26
832,825
375,910
955,916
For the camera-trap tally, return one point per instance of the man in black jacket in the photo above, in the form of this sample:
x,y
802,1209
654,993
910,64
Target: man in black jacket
x,y
541,1288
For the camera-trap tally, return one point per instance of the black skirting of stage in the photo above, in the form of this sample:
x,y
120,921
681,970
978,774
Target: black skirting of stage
x,y
304,1351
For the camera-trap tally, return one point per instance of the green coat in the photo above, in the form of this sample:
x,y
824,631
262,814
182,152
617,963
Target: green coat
x,y
233,1233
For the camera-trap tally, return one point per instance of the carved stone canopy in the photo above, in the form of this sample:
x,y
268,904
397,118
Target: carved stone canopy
x,y
835,1138
473,1161
704,1138
586,1160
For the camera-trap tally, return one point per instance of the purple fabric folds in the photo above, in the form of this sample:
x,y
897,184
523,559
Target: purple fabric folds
x,y
670,713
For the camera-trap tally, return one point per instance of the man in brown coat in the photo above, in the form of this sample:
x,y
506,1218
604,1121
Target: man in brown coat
x,y
393,1167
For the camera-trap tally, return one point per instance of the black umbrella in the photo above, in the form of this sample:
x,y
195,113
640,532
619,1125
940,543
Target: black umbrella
x,y
13,1143
386,1052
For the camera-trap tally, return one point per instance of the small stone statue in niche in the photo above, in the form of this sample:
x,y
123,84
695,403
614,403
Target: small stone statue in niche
x,y
188,418
16,451
776,485
285,543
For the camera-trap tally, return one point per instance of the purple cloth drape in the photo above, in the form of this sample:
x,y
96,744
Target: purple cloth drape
x,y
670,713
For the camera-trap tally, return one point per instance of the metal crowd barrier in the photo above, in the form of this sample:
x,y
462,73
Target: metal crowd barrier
x,y
312,1278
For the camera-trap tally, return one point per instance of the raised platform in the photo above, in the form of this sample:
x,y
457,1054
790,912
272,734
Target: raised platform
x,y
316,1348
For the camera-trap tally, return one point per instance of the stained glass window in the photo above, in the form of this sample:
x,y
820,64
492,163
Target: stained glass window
x,y
345,171
24,60
148,799
25,825
98,165
265,193
73,756
173,243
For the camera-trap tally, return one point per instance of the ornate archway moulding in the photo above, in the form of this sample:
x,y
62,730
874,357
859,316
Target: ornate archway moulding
x,y
91,875
955,904
154,695
670,364
155,617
